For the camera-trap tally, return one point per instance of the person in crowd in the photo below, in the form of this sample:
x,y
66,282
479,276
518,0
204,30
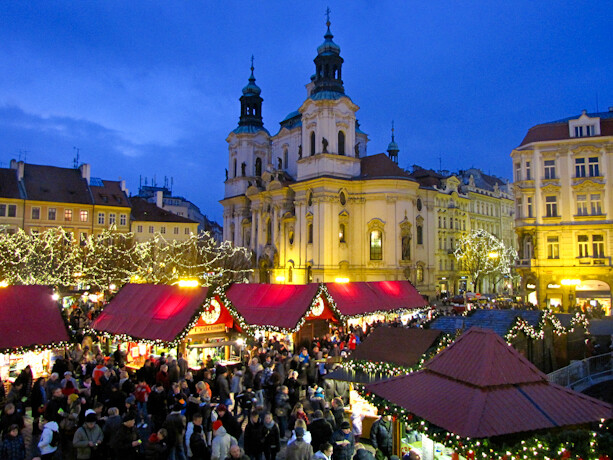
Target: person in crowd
x,y
361,453
88,438
112,424
338,412
357,417
157,405
38,399
175,426
381,435
271,439
13,446
324,452
252,439
222,441
162,377
306,435
156,448
300,449
49,439
232,427
282,409
195,421
236,453
321,431
197,443
343,442
125,442
10,417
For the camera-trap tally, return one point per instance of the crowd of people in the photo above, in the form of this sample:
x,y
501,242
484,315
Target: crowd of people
x,y
93,406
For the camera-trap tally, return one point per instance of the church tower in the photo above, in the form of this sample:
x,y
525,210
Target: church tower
x,y
328,119
392,148
249,156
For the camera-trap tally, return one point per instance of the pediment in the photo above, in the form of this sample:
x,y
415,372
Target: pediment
x,y
550,188
588,185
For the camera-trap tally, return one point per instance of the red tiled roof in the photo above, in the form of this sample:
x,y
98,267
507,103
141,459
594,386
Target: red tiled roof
x,y
380,165
491,403
276,305
360,298
29,316
144,211
110,194
152,312
397,345
559,131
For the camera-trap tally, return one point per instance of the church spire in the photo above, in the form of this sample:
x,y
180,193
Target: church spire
x,y
392,148
328,64
251,103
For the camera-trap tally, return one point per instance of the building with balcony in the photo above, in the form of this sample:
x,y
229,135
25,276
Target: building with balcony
x,y
563,200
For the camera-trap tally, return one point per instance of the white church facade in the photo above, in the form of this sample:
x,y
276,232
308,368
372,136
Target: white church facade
x,y
310,202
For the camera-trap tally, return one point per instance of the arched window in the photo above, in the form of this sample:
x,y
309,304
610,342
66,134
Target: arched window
x,y
269,231
310,233
309,274
279,163
285,158
235,166
341,233
343,199
419,272
258,166
420,234
341,143
290,274
309,199
376,245
312,143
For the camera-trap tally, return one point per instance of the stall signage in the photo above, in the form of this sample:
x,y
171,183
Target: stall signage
x,y
531,286
212,313
553,286
209,329
318,309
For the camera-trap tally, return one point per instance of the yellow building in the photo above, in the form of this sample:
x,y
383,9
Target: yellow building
x,y
148,219
37,197
563,211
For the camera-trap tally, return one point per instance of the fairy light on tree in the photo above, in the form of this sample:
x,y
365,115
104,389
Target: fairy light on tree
x,y
481,254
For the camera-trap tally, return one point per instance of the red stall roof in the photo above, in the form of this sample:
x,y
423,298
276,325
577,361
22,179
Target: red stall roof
x,y
480,387
151,312
280,306
29,316
363,298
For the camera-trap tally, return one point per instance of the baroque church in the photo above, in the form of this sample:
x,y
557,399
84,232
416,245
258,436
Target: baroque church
x,y
309,200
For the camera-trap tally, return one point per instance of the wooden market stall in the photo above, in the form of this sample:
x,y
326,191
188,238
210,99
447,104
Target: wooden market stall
x,y
31,324
480,397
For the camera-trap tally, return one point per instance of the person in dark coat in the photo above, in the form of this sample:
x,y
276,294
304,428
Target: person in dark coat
x,y
156,405
223,386
198,446
38,399
361,453
321,431
299,450
13,447
175,424
125,442
253,437
343,442
156,448
271,440
25,378
338,412
381,435
232,427
55,406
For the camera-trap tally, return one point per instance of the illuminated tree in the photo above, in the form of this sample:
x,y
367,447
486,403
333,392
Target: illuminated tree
x,y
480,254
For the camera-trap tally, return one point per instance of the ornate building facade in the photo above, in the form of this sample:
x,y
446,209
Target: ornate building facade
x,y
563,211
309,201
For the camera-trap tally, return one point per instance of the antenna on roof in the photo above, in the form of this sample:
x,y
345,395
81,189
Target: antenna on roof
x,y
24,153
76,158
172,179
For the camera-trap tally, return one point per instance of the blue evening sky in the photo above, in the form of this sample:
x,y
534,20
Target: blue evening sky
x,y
150,88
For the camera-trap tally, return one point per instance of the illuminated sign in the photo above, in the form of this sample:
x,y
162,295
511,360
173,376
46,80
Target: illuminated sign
x,y
208,329
553,286
318,309
212,313
530,286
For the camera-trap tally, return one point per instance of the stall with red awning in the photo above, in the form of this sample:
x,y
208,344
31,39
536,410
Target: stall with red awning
x,y
30,318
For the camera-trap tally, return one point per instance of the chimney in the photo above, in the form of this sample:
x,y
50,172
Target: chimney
x,y
159,198
85,172
19,167
122,186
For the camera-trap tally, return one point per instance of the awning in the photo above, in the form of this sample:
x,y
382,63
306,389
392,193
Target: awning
x,y
152,312
275,306
481,387
364,298
30,317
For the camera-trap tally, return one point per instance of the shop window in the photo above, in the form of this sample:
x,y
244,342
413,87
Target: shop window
x,y
553,247
376,245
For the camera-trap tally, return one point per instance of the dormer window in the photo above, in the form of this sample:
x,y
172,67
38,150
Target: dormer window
x,y
584,126
584,131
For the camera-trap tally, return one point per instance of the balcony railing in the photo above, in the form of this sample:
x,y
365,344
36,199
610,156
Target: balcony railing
x,y
583,374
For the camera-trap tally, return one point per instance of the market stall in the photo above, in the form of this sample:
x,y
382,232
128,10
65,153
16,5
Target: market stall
x,y
31,324
361,303
480,398
300,311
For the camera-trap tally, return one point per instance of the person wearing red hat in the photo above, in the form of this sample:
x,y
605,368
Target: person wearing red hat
x,y
222,441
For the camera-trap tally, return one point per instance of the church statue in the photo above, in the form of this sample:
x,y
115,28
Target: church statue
x,y
324,143
243,168
357,150
279,163
300,151
226,173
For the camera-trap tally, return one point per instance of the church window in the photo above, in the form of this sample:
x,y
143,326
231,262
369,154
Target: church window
x,y
291,237
341,233
406,247
312,143
341,143
343,199
258,166
235,167
420,234
309,274
285,157
310,233
290,274
376,245
309,199
279,163
419,272
269,231
419,204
